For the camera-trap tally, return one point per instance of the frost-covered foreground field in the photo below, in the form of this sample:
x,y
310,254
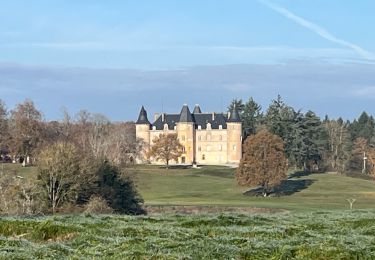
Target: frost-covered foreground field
x,y
315,235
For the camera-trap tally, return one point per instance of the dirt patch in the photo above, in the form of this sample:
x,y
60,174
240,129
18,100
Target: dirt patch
x,y
191,210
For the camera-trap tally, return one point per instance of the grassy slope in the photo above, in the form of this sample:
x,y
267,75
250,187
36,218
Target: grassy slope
x,y
216,186
319,235
17,169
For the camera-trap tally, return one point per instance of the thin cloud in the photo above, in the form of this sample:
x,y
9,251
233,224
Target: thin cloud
x,y
322,32
368,92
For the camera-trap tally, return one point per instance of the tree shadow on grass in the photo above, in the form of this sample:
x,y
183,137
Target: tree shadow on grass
x,y
299,174
176,167
286,188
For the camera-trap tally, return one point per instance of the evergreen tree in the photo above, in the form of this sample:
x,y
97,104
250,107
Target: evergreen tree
x,y
250,117
363,127
281,121
314,138
239,105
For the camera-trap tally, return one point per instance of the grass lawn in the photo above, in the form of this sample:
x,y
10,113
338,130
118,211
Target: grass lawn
x,y
314,235
214,185
17,169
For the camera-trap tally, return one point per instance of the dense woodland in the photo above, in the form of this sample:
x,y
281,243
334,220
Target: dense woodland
x,y
312,143
82,159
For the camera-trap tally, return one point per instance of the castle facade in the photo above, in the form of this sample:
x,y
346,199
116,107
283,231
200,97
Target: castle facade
x,y
207,138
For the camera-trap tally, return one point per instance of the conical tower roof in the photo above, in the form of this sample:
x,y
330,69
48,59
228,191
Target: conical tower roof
x,y
185,115
234,115
197,109
142,118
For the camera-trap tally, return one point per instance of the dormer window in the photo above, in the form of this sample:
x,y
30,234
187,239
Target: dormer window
x,y
208,126
165,126
199,127
153,127
175,127
220,126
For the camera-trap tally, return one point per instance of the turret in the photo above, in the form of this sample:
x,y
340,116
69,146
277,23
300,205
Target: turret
x,y
142,118
142,129
197,109
234,134
185,130
234,116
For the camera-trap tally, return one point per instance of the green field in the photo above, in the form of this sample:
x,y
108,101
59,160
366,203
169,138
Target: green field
x,y
216,186
213,185
313,222
315,235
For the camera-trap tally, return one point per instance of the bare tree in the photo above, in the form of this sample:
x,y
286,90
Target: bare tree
x,y
338,139
26,129
4,129
58,171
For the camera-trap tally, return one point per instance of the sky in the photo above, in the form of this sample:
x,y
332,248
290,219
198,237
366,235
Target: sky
x,y
112,57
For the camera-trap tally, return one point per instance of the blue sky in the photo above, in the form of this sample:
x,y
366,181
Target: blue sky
x,y
113,56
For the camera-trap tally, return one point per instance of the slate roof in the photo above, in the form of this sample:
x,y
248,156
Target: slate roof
x,y
142,118
198,118
197,109
185,115
234,115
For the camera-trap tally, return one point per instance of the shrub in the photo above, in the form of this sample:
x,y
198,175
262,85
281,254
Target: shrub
x,y
97,205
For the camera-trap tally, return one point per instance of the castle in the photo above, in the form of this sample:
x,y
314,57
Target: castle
x,y
207,138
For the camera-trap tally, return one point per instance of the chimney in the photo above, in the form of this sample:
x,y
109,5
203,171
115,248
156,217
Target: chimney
x,y
213,116
228,115
156,116
162,117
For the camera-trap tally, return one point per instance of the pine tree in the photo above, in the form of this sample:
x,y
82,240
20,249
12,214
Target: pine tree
x,y
239,105
314,139
250,117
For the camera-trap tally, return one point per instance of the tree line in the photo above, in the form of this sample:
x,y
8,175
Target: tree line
x,y
81,162
311,143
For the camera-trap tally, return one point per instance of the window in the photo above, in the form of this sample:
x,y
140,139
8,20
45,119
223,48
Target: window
x,y
220,127
208,137
220,147
199,127
182,138
183,149
199,138
208,126
203,157
153,127
234,148
165,126
220,137
199,148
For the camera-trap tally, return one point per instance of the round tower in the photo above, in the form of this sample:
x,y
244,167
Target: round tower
x,y
234,136
142,131
185,132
